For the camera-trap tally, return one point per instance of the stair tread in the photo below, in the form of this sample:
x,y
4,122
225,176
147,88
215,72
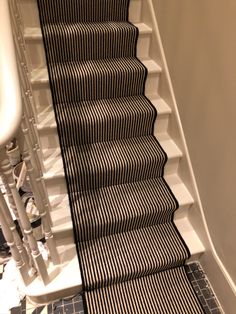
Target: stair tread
x,y
120,208
82,12
153,294
107,119
114,162
54,166
46,115
150,250
177,187
61,211
35,33
40,75
90,41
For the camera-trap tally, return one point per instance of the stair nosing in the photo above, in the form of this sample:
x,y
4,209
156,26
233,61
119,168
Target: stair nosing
x,y
42,126
40,76
35,33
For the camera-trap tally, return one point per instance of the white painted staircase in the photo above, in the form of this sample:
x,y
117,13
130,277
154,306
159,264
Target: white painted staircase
x,y
65,278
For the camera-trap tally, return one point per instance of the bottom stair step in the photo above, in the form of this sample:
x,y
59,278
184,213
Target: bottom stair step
x,y
136,253
167,292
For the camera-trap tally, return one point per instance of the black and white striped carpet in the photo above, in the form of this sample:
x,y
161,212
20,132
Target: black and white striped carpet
x,y
130,252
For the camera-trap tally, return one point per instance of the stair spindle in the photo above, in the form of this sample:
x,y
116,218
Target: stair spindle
x,y
37,257
14,241
41,202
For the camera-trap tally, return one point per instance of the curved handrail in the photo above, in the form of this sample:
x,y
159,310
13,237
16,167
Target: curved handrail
x,y
10,95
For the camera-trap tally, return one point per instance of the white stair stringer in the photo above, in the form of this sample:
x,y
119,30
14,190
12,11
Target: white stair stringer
x,y
63,282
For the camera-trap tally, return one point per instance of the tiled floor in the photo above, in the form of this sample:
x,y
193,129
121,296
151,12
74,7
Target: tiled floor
x,y
203,289
74,305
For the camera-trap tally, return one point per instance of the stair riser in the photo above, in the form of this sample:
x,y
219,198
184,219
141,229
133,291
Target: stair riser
x,y
42,95
36,55
61,233
49,136
29,11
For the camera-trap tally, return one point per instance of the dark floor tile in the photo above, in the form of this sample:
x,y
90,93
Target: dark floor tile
x,y
207,310
58,310
202,283
194,283
191,277
198,290
212,304
188,269
198,274
207,293
78,306
194,266
69,309
202,300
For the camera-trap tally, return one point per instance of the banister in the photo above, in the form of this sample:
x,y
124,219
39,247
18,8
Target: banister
x,y
10,94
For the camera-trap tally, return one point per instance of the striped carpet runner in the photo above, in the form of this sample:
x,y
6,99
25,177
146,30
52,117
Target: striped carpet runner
x,y
130,252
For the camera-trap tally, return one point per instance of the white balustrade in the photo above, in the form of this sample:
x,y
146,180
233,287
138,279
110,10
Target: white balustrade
x,y
5,167
14,242
39,195
18,119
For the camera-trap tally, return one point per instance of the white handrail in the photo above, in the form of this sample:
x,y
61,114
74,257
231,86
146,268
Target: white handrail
x,y
10,95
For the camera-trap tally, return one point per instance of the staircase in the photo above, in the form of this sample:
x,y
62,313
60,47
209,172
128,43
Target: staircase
x,y
64,282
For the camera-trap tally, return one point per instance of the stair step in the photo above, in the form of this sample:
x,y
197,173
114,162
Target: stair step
x,y
127,160
181,193
104,212
35,33
140,255
35,47
165,292
54,166
48,130
30,17
122,111
61,215
42,93
40,80
190,237
107,119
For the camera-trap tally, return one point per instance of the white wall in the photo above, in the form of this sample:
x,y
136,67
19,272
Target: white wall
x,y
199,39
